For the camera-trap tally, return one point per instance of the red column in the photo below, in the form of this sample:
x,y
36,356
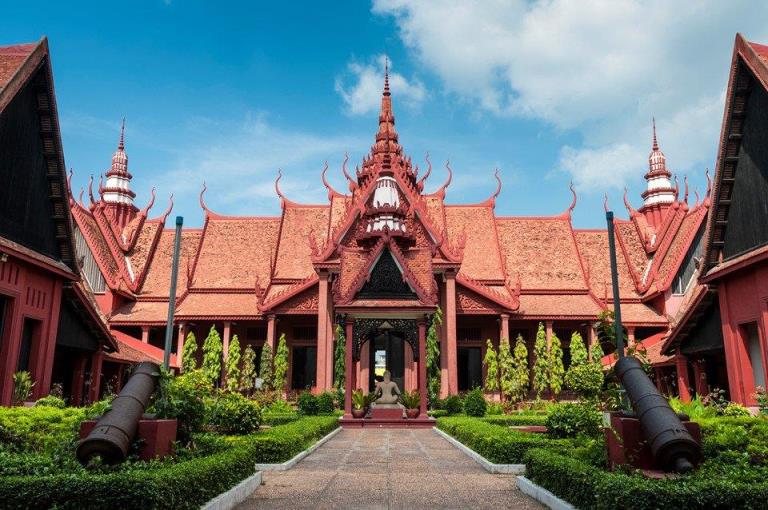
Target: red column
x,y
96,364
549,325
271,332
47,349
450,333
348,369
145,334
591,339
683,386
630,336
504,319
423,367
78,381
180,343
120,374
322,378
700,378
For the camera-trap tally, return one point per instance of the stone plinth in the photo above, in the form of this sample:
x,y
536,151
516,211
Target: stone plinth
x,y
157,437
626,444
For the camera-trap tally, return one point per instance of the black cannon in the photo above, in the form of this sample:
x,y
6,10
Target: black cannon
x,y
671,444
113,433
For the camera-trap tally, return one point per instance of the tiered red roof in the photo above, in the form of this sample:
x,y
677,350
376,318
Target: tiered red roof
x,y
532,267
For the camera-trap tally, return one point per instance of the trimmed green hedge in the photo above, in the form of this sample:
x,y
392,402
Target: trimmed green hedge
x,y
185,485
587,487
279,418
516,420
498,444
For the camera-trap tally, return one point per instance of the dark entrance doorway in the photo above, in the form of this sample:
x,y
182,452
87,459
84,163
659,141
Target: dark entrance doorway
x,y
470,368
387,353
304,369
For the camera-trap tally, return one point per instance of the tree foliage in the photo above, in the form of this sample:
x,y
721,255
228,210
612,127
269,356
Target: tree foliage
x,y
541,362
281,364
265,367
232,365
212,350
520,374
248,374
506,375
189,353
583,377
433,357
491,362
555,365
339,358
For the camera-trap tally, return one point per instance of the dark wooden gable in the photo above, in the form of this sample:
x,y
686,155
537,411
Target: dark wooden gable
x,y
386,281
748,212
34,202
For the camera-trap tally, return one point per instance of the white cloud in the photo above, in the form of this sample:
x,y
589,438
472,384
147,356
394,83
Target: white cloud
x,y
601,69
240,162
363,95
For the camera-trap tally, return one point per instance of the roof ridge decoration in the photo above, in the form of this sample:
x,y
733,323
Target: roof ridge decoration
x,y
285,294
422,181
331,192
491,293
568,212
208,212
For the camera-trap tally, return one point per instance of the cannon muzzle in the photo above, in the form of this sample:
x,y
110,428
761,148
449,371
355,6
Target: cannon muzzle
x,y
672,446
113,433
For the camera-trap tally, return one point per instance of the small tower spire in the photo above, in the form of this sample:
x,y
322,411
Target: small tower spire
x,y
118,188
386,75
655,146
121,143
659,191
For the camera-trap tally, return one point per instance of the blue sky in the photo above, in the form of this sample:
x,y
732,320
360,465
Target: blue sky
x,y
549,92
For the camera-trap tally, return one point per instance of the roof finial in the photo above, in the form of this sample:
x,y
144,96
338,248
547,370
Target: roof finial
x,y
655,143
121,144
386,75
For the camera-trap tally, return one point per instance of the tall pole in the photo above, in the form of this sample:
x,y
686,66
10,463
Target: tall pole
x,y
172,295
615,284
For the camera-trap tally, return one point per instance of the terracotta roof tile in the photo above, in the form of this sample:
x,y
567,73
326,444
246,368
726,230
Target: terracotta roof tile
x,y
294,250
352,262
11,58
639,313
420,264
219,305
593,246
482,260
235,253
542,251
140,253
98,245
158,280
634,246
680,244
558,305
137,312
338,212
436,210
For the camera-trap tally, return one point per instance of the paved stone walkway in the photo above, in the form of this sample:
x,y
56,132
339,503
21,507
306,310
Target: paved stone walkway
x,y
388,469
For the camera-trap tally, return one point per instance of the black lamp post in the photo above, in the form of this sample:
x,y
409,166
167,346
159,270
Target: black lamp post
x,y
172,295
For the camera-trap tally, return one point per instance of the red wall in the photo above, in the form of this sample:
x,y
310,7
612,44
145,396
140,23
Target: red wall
x,y
743,300
35,294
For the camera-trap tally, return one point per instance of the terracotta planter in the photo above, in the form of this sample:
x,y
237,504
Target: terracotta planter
x,y
412,413
358,413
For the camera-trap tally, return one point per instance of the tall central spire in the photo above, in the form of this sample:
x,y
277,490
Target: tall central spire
x,y
386,138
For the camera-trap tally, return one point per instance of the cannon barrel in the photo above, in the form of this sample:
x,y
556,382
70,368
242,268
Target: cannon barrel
x,y
113,433
671,444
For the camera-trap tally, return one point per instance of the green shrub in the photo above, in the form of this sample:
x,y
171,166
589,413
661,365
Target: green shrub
x,y
475,404
517,419
438,413
411,399
587,487
494,408
40,429
22,387
183,485
307,404
573,419
279,407
51,401
453,404
182,397
212,352
497,444
273,419
232,413
326,403
586,379
734,409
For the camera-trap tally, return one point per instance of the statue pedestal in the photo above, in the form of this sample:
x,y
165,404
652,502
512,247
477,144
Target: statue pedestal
x,y
381,412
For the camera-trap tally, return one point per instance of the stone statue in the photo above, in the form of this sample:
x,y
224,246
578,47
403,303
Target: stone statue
x,y
387,391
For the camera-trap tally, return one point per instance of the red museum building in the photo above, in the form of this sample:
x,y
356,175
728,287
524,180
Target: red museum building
x,y
379,257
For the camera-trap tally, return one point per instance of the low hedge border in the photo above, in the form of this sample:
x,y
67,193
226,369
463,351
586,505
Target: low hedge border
x,y
498,444
516,420
183,485
590,488
279,419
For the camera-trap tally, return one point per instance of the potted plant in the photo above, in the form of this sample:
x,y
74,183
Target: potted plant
x,y
411,400
360,403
